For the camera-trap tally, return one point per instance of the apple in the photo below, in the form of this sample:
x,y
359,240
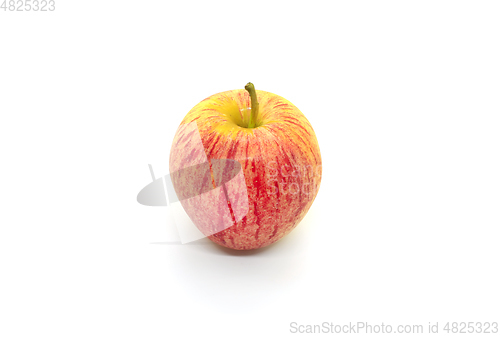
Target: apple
x,y
246,167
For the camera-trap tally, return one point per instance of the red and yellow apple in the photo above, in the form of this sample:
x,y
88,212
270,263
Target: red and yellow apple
x,y
259,157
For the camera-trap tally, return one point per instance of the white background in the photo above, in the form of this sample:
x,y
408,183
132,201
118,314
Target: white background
x,y
404,99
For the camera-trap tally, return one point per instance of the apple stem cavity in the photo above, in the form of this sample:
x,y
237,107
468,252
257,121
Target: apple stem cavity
x,y
254,103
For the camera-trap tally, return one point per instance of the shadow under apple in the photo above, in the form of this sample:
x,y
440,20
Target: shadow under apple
x,y
229,280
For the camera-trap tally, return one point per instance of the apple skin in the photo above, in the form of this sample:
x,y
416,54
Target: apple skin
x,y
280,168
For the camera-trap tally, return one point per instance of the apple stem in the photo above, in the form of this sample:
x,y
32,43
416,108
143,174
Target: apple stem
x,y
255,104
